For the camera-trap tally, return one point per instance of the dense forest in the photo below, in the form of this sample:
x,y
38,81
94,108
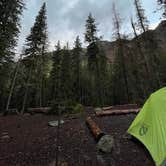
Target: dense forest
x,y
126,70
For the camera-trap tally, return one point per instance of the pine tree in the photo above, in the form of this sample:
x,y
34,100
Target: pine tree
x,y
65,75
10,12
103,81
35,49
76,65
91,38
142,22
93,59
91,30
55,73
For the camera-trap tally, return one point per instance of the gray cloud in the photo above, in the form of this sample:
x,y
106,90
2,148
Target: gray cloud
x,y
66,19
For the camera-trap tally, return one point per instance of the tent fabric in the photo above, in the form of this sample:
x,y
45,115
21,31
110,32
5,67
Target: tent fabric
x,y
149,126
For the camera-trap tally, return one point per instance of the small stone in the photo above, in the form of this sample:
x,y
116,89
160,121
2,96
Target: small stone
x,y
55,123
105,144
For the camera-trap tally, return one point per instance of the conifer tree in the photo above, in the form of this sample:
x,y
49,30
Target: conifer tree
x,y
76,65
35,48
10,12
93,59
55,73
91,38
65,75
91,30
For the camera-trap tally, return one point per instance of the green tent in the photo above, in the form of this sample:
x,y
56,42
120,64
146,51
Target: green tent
x,y
150,126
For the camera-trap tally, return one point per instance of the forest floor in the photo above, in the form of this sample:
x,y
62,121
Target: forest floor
x,y
31,142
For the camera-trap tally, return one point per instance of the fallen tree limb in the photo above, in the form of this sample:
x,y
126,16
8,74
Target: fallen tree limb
x,y
117,112
96,131
121,107
44,110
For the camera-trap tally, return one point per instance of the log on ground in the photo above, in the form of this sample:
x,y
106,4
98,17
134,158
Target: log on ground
x,y
96,131
117,112
44,110
121,107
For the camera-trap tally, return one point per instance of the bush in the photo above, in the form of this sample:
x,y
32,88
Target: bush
x,y
67,107
78,108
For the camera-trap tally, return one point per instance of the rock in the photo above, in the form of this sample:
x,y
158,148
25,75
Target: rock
x,y
98,109
55,123
127,136
105,144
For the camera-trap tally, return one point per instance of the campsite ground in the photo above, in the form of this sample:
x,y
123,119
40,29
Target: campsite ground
x,y
31,142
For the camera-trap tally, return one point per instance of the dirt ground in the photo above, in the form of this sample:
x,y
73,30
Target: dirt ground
x,y
32,142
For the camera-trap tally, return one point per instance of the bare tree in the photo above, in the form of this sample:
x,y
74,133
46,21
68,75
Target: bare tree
x,y
162,3
142,21
120,48
133,27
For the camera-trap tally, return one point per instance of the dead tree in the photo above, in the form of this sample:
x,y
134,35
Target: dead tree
x,y
117,27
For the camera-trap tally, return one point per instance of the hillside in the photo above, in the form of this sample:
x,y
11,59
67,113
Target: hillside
x,y
159,35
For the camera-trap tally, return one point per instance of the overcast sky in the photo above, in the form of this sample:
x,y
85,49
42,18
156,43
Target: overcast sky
x,y
66,18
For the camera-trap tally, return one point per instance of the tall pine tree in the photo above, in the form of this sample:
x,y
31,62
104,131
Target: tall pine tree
x,y
35,49
10,12
65,75
55,73
93,54
76,67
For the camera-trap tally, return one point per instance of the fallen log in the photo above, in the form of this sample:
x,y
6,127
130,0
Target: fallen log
x,y
121,107
96,131
43,110
105,142
117,112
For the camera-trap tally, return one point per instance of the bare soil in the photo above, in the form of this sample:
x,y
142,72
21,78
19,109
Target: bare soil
x,y
32,142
